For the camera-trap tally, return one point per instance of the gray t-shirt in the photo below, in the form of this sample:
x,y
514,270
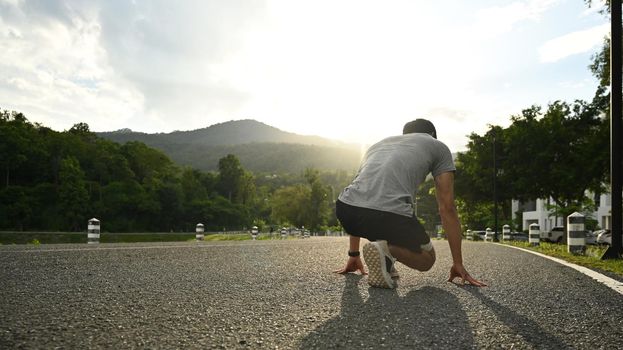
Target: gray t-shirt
x,y
393,169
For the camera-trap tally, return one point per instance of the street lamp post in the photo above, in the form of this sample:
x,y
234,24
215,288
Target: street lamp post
x,y
495,191
615,251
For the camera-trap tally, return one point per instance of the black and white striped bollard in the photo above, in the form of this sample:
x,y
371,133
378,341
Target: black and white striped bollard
x,y
488,234
534,235
199,235
93,231
469,235
254,232
506,233
576,237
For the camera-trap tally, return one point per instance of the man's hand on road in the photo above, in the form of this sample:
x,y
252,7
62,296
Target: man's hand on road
x,y
353,264
457,270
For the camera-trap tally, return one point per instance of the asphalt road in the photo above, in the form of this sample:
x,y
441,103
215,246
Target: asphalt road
x,y
282,294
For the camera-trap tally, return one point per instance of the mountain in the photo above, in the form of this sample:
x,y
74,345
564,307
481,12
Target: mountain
x,y
234,132
260,147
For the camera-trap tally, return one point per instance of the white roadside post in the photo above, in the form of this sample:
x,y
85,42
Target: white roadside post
x,y
488,234
576,237
93,231
506,233
469,235
283,233
534,235
254,232
199,235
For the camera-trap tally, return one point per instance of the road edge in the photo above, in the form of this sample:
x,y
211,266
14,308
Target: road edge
x,y
603,279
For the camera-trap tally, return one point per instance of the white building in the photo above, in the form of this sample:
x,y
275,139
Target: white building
x,y
537,212
604,211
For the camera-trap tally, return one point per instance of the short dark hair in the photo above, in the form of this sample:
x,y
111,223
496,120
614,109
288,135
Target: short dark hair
x,y
420,126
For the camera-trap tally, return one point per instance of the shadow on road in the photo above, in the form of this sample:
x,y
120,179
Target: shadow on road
x,y
428,317
529,330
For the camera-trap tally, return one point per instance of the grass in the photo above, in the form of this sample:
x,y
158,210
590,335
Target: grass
x,y
240,237
37,238
591,258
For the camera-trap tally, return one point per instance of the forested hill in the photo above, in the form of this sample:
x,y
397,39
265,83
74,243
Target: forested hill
x,y
56,181
234,132
259,147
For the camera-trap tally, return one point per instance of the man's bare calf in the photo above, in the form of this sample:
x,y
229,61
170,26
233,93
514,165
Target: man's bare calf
x,y
422,261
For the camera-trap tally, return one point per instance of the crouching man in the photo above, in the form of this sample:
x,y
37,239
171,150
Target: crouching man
x,y
378,206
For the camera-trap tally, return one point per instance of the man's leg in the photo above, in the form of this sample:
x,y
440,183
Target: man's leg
x,y
422,261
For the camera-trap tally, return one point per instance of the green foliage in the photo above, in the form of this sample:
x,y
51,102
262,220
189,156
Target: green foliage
x,y
556,154
306,205
600,65
290,203
318,210
72,194
16,207
57,180
426,206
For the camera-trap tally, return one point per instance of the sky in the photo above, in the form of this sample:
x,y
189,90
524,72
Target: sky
x,y
350,70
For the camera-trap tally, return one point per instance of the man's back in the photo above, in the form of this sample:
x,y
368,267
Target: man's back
x,y
392,170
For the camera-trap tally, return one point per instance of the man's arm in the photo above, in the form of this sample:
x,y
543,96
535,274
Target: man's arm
x,y
354,263
444,189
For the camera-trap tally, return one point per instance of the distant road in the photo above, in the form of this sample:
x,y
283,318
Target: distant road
x,y
282,294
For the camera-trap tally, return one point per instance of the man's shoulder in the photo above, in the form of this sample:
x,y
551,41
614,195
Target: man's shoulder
x,y
417,140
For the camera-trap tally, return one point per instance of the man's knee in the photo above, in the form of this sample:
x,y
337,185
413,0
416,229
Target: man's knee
x,y
422,261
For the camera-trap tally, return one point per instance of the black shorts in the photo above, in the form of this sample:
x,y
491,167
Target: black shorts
x,y
400,230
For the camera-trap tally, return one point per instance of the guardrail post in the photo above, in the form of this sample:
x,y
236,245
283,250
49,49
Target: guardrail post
x,y
93,231
469,235
506,233
254,232
284,232
576,237
534,235
199,235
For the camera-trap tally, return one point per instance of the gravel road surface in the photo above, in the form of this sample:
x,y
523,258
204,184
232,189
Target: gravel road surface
x,y
283,295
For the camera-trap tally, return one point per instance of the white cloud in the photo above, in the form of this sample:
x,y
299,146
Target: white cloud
x,y
573,43
56,72
497,20
353,70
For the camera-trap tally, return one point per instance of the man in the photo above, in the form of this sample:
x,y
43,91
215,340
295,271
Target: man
x,y
378,206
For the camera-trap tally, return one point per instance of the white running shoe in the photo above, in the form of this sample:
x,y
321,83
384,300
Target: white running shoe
x,y
380,264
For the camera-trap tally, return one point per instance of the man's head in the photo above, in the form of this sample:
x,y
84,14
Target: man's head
x,y
420,126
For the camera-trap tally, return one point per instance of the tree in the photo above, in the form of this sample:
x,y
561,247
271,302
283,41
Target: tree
x,y
146,163
426,208
192,187
475,177
15,208
231,177
226,214
562,153
73,195
600,66
18,144
318,207
556,154
289,205
303,205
